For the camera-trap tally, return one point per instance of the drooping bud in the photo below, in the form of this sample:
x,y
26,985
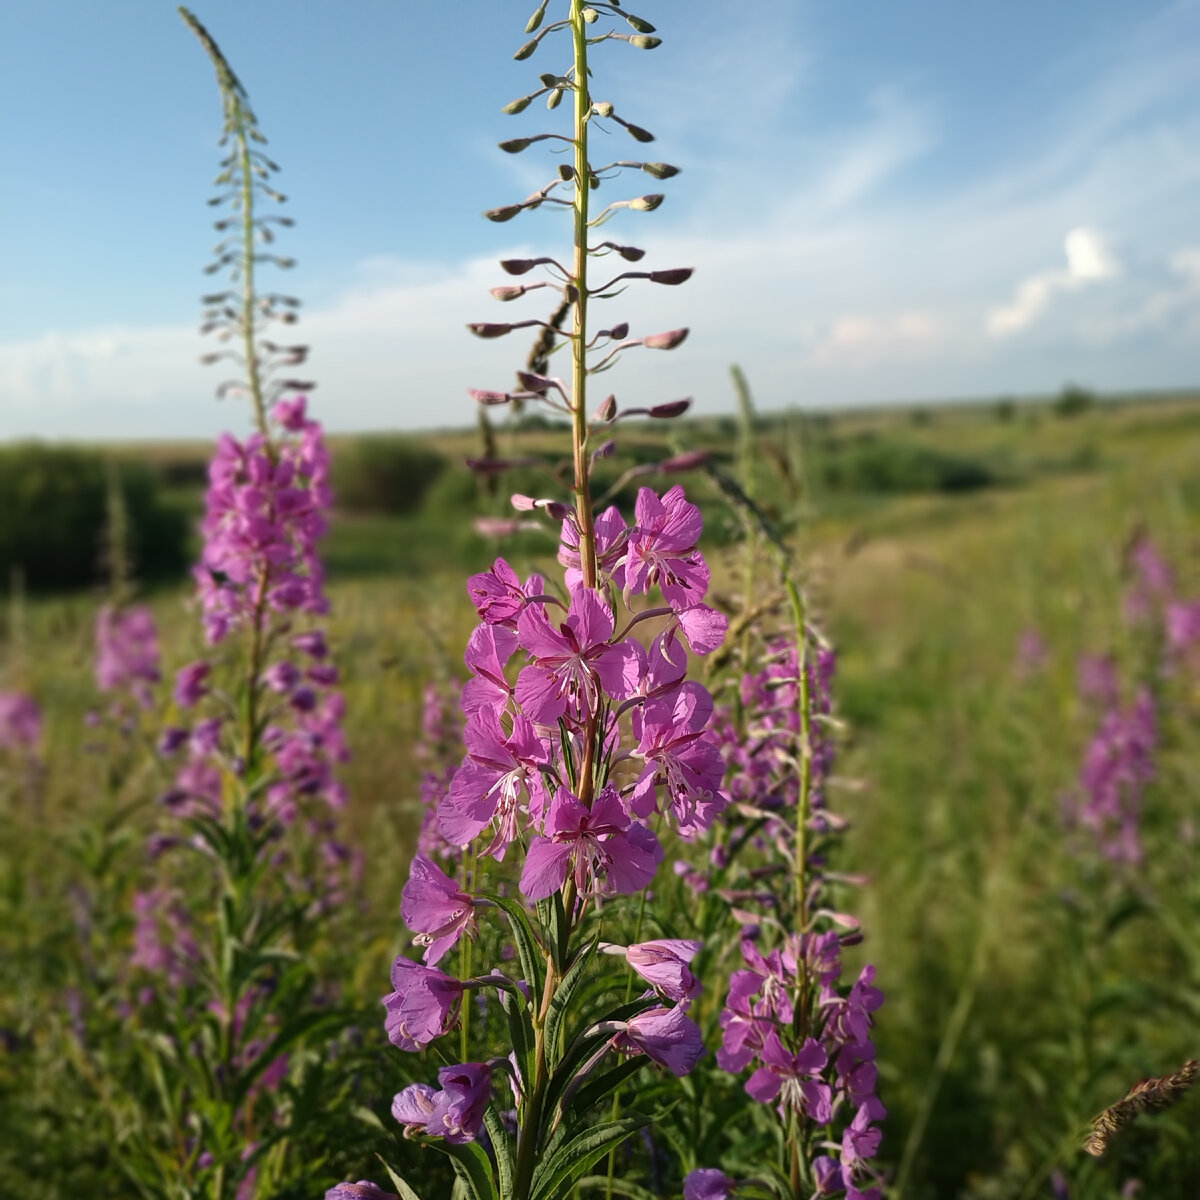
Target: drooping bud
x,y
660,170
603,108
642,42
675,408
566,172
619,332
526,50
638,24
636,131
604,450
539,384
687,461
484,397
485,329
657,341
517,106
647,203
505,213
532,24
554,99
607,410
508,293
515,145
675,275
590,15
522,503
522,266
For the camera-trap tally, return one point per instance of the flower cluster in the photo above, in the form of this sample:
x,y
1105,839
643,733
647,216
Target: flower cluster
x,y
127,657
786,1014
576,735
20,721
265,511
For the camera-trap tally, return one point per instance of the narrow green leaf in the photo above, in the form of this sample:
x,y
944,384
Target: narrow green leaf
x,y
472,1166
504,1163
556,1176
596,1089
622,1187
402,1188
561,1000
529,952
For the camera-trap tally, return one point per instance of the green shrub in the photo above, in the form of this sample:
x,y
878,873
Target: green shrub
x,y
384,474
1073,400
873,464
54,501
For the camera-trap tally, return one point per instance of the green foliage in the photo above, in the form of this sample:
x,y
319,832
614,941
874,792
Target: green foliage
x,y
874,464
384,473
54,504
1073,401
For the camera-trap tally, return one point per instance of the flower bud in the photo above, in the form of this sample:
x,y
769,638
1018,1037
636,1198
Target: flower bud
x,y
554,99
647,203
603,109
506,213
619,332
566,172
607,410
522,503
637,132
639,25
660,170
484,397
517,106
526,50
515,145
675,408
519,266
687,461
508,293
532,24
550,80
604,450
485,329
656,341
536,383
590,15
672,277
642,42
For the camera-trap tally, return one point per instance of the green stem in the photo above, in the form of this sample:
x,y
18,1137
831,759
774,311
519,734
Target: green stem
x,y
248,297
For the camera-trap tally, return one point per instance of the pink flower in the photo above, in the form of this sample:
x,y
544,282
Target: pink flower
x,y
601,846
793,1077
665,964
667,1036
574,661
20,721
434,908
423,1006
456,1111
499,596
663,549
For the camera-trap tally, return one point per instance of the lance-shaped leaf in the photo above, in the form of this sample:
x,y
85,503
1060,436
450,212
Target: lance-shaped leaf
x,y
556,1176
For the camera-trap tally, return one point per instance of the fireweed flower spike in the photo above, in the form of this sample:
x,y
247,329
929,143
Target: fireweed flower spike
x,y
247,871
583,741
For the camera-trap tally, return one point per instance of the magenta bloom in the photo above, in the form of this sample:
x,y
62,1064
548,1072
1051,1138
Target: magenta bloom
x,y
611,536
667,1036
127,652
488,651
678,756
190,683
601,846
455,1112
703,627
364,1189
499,595
663,551
434,909
861,1139
574,661
707,1183
489,784
665,964
20,721
423,1006
793,1078
1183,625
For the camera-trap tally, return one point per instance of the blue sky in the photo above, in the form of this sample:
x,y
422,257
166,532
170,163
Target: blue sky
x,y
883,201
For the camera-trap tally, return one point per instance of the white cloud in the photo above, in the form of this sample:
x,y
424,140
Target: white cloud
x,y
1088,261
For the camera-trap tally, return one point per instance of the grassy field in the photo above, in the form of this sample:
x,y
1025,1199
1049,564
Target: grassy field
x,y
1029,984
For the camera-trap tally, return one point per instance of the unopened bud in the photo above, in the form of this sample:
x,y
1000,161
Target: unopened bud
x,y
517,106
603,109
508,293
639,25
535,383
619,332
656,341
485,329
526,50
607,410
515,145
554,99
522,503
483,397
549,79
638,133
518,266
660,170
556,509
642,42
675,275
630,253
605,449
532,24
684,462
506,213
590,15
566,172
675,408
647,203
